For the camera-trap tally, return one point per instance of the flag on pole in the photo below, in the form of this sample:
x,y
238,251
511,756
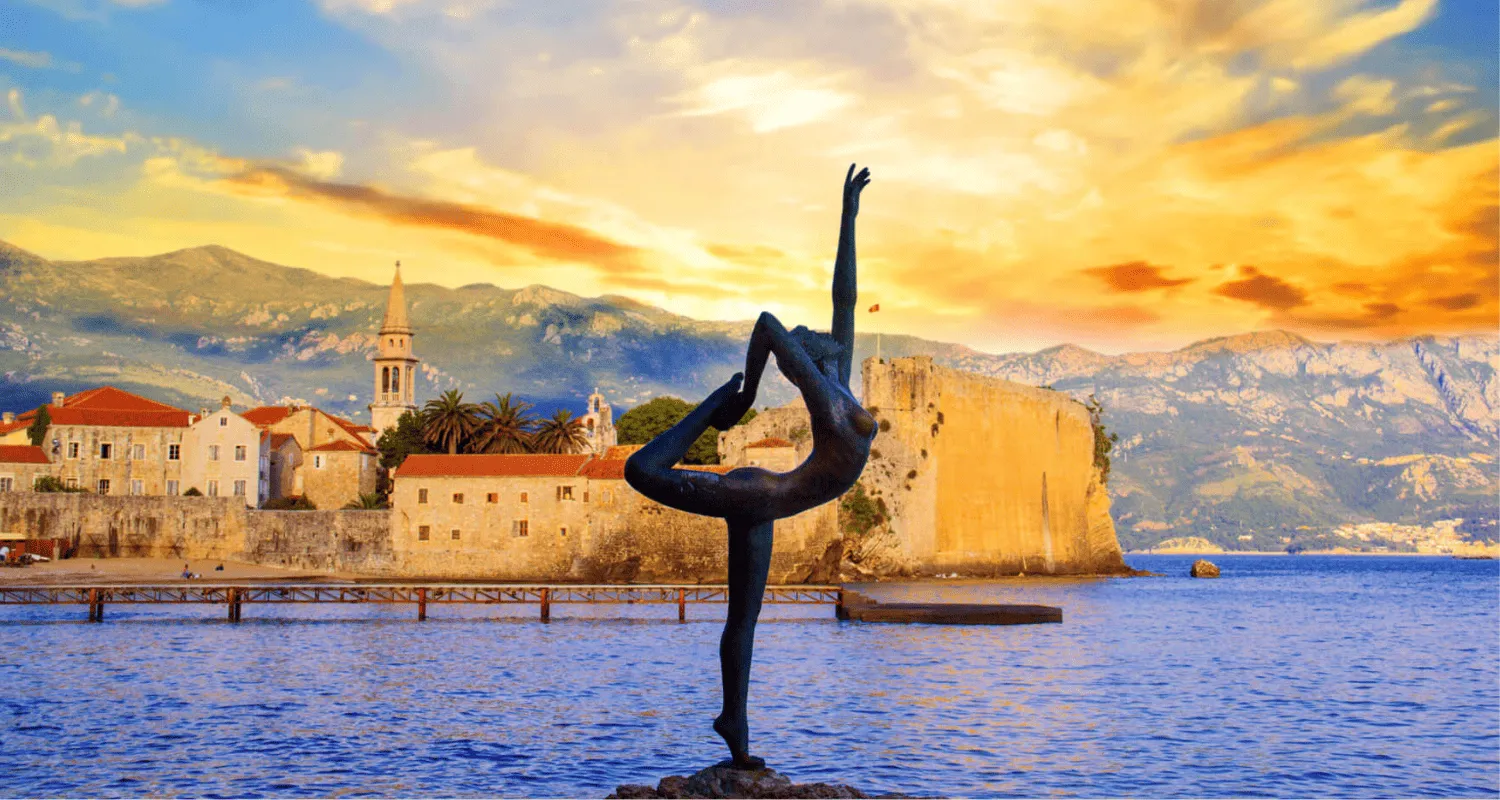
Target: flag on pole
x,y
875,307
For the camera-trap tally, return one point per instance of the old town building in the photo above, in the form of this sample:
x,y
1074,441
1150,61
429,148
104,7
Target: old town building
x,y
227,457
395,363
110,441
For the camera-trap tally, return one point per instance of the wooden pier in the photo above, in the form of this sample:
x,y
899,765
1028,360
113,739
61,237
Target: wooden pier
x,y
234,597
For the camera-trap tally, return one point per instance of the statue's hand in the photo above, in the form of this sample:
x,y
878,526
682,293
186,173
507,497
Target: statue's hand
x,y
729,403
853,185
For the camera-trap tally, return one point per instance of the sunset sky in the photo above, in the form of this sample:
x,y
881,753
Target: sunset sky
x,y
1121,174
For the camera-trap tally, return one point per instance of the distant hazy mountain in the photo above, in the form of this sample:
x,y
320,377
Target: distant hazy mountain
x,y
1254,435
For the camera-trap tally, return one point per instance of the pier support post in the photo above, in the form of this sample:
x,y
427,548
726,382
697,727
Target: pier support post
x,y
421,604
234,605
546,605
96,606
838,609
681,604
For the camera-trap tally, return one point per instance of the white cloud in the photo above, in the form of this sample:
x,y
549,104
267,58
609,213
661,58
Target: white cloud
x,y
768,101
323,165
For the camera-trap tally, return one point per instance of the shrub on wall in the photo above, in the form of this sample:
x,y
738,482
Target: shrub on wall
x,y
295,503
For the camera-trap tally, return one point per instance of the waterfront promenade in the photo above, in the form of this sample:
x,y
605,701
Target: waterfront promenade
x,y
235,596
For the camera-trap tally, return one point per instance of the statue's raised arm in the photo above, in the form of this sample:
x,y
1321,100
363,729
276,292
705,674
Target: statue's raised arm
x,y
845,272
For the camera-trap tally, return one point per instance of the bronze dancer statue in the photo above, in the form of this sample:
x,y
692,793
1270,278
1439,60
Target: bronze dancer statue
x,y
751,499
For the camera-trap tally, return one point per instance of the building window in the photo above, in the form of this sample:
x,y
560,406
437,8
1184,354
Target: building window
x,y
72,449
518,528
137,487
223,422
174,452
424,532
239,488
138,452
104,486
563,531
317,462
458,498
585,495
421,495
7,484
565,493
604,496
213,452
72,483
239,452
171,488
105,450
213,488
492,497
523,497
455,534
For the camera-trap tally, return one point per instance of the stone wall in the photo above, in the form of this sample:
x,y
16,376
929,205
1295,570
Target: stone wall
x,y
985,476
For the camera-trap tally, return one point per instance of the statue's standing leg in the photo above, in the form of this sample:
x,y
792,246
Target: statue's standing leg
x,y
749,564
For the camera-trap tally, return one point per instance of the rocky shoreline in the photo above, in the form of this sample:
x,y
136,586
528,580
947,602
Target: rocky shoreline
x,y
719,781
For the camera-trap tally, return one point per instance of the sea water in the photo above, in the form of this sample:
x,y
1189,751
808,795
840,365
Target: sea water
x,y
1288,676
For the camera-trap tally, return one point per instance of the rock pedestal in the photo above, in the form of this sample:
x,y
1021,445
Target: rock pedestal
x,y
728,782
1204,569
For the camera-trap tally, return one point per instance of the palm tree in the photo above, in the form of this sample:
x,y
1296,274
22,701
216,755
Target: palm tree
x,y
448,421
366,502
505,426
560,434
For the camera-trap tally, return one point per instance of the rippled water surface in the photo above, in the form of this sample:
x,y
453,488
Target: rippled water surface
x,y
1289,676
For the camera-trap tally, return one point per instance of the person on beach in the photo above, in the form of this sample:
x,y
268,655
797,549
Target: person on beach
x,y
186,575
751,499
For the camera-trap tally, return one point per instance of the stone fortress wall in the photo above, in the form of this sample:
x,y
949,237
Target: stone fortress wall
x,y
975,475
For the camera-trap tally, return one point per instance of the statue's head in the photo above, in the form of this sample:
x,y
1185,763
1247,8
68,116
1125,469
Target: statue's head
x,y
822,347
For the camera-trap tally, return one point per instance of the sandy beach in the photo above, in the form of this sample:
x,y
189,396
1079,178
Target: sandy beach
x,y
155,571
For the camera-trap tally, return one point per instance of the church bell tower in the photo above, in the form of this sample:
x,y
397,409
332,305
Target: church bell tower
x,y
395,364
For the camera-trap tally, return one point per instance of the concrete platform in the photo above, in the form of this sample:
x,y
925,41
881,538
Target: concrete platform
x,y
859,608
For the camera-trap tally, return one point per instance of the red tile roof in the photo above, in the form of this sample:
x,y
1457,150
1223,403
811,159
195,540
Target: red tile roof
x,y
621,451
279,439
529,465
114,399
14,426
770,442
119,418
108,406
266,415
717,468
339,446
22,454
610,469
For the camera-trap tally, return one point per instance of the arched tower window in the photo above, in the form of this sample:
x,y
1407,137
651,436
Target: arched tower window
x,y
385,379
396,380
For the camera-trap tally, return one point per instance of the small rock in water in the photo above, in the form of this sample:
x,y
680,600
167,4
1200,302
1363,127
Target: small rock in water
x,y
716,782
1203,568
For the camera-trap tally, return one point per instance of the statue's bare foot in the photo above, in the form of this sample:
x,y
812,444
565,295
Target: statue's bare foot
x,y
728,403
736,734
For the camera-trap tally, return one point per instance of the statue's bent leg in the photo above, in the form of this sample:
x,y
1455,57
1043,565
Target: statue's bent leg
x,y
749,564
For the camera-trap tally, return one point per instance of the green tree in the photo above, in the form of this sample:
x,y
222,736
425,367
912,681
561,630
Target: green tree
x,y
1104,441
505,426
560,434
37,431
401,441
52,483
642,424
448,421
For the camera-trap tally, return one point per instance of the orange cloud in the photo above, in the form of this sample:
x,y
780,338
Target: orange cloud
x,y
546,239
1263,290
1135,276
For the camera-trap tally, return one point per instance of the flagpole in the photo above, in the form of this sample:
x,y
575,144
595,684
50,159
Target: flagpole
x,y
873,309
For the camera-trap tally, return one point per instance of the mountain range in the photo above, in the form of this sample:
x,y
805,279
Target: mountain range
x,y
1250,441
